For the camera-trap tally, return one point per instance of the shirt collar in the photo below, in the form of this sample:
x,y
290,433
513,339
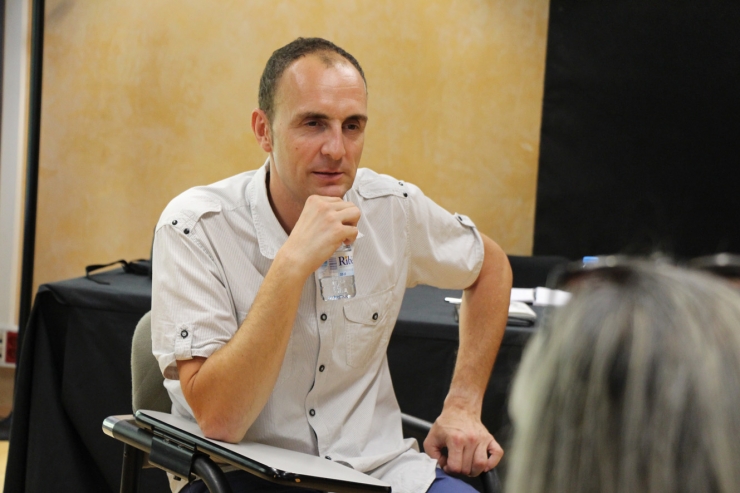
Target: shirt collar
x,y
270,234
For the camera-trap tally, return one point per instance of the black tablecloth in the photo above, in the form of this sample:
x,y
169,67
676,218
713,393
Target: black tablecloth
x,y
74,371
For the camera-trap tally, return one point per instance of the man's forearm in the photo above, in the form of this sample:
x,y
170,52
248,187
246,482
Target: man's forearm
x,y
228,390
471,449
483,316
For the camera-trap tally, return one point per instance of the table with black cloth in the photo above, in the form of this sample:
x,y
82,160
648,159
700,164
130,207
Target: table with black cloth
x,y
74,371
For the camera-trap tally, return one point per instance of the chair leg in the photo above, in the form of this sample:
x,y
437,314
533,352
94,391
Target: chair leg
x,y
491,482
212,475
132,461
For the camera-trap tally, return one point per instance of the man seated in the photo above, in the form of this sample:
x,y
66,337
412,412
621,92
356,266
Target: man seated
x,y
249,348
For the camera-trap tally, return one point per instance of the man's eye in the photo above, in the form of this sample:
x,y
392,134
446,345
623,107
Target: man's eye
x,y
312,123
352,126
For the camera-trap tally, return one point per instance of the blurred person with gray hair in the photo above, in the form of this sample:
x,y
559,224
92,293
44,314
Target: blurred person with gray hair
x,y
634,386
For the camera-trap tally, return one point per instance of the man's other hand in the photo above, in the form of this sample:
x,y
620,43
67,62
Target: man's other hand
x,y
471,449
325,223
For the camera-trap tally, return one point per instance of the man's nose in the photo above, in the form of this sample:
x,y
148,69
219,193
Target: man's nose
x,y
334,145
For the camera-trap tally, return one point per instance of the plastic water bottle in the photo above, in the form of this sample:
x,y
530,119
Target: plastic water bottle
x,y
337,275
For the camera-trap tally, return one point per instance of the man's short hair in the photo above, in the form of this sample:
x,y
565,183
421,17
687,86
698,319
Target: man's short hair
x,y
283,57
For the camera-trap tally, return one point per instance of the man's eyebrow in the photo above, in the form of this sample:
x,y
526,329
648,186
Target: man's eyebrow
x,y
312,115
359,117
321,116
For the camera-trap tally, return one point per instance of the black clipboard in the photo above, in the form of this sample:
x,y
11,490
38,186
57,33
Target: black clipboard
x,y
264,461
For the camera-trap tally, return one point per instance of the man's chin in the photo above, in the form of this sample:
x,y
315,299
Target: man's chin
x,y
337,194
332,191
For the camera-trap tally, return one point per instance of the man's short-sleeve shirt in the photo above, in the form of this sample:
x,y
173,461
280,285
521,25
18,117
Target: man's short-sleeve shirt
x,y
333,397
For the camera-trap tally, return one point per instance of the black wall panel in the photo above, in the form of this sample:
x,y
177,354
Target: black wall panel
x,y
639,144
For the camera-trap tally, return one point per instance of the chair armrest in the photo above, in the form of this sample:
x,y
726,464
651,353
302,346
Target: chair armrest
x,y
412,423
416,427
125,429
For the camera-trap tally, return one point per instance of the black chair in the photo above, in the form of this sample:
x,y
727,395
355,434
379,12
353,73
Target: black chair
x,y
187,457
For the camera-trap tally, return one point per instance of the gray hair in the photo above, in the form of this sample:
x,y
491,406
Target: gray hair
x,y
634,386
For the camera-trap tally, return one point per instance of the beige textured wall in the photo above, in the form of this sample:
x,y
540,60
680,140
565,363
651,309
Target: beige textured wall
x,y
145,99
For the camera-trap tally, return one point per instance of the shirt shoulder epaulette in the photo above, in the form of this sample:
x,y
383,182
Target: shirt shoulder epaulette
x,y
370,185
190,206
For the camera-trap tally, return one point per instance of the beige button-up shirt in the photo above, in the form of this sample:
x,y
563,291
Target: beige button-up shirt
x,y
334,397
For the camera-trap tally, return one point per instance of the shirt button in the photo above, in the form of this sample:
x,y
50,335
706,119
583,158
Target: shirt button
x,y
323,317
375,316
322,368
174,223
184,334
186,231
312,412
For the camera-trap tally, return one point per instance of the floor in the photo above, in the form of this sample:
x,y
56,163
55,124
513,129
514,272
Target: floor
x,y
3,460
7,376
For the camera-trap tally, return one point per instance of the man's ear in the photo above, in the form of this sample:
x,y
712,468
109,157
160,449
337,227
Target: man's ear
x,y
261,129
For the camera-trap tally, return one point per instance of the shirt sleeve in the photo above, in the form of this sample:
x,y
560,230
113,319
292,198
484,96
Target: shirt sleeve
x,y
445,250
192,311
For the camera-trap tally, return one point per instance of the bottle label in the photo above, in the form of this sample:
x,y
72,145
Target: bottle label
x,y
340,264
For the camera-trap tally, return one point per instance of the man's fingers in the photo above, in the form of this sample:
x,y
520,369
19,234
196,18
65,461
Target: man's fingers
x,y
349,216
435,452
350,235
334,202
435,448
495,453
329,217
456,456
441,456
346,212
458,451
343,204
480,462
468,458
322,198
471,457
453,463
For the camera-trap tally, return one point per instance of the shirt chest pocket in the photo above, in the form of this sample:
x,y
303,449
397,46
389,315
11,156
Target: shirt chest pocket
x,y
368,327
